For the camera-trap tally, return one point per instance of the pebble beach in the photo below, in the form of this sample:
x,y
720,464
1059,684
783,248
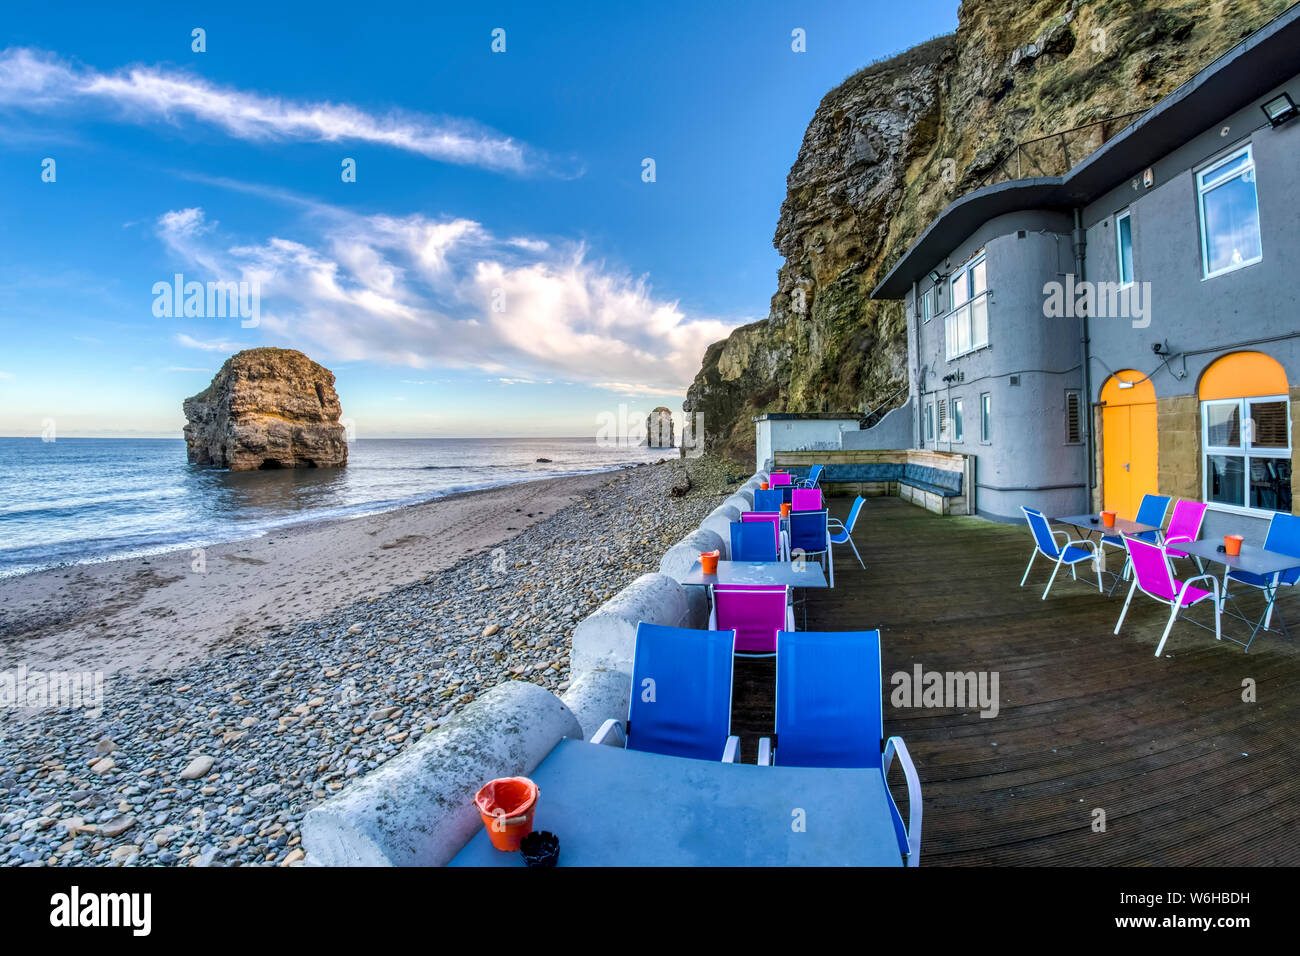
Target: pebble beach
x,y
215,761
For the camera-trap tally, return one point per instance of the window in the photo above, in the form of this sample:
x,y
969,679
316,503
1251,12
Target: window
x,y
986,405
1246,433
944,424
927,304
956,420
1073,418
967,325
929,421
1124,238
1229,214
1247,447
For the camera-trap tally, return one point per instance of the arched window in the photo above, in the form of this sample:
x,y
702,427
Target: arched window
x,y
1246,433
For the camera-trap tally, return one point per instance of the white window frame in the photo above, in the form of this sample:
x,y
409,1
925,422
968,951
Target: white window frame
x,y
986,418
1124,280
927,305
1241,450
929,421
964,312
956,413
1203,188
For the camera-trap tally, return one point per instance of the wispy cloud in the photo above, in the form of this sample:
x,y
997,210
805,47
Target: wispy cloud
x,y
212,345
39,81
4,375
421,292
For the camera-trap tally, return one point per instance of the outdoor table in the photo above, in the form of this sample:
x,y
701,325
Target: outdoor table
x,y
794,574
1088,523
1254,560
614,807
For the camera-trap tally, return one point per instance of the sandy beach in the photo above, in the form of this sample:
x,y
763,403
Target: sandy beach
x,y
166,610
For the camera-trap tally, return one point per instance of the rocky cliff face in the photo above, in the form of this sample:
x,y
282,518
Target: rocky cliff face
x,y
267,408
890,147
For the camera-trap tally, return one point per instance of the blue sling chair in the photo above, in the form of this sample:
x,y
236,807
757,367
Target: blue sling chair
x,y
830,713
1072,553
681,695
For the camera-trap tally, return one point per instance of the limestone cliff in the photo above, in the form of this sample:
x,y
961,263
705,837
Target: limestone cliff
x,y
267,408
891,146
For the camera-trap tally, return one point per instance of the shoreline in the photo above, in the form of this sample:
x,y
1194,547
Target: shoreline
x,y
120,614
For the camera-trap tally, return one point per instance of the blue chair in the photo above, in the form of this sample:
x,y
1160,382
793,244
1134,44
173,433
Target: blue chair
x,y
830,713
1072,553
814,476
842,531
753,541
1151,511
1284,538
681,695
810,537
767,500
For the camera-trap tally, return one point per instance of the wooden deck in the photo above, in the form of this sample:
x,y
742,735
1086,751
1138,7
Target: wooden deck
x,y
1186,772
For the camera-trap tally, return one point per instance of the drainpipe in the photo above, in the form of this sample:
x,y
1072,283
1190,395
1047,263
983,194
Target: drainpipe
x,y
1080,242
914,368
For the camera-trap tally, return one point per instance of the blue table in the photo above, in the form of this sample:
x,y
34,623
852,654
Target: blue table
x,y
1254,560
615,807
794,574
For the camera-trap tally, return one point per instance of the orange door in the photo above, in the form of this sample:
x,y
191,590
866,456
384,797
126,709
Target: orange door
x,y
1128,436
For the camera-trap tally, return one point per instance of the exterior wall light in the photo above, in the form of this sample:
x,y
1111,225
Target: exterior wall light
x,y
1279,109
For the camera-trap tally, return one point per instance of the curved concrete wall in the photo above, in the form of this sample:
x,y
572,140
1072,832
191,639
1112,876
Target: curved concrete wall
x,y
417,810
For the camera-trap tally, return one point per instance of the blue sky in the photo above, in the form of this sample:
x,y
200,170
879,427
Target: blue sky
x,y
499,266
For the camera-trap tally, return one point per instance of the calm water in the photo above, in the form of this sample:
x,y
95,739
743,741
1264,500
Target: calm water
x,y
89,499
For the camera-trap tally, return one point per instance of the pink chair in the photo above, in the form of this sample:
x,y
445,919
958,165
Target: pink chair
x,y
806,499
778,479
1153,577
755,613
775,521
1184,526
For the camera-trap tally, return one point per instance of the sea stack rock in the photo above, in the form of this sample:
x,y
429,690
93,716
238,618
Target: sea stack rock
x,y
267,408
659,428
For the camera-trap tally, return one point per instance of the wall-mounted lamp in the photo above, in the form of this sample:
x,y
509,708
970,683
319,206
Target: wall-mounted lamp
x,y
1280,109
1123,384
936,276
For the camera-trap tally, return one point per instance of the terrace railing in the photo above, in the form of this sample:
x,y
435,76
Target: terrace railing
x,y
1057,153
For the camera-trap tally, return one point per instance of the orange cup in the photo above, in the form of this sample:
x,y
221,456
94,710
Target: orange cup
x,y
785,509
1232,543
1108,519
709,562
763,486
506,806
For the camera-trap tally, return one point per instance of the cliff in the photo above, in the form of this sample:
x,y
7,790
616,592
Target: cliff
x,y
267,408
896,142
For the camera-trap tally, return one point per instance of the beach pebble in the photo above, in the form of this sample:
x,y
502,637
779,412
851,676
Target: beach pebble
x,y
198,767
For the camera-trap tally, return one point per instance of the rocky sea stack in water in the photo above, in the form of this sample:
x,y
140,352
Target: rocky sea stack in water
x,y
267,408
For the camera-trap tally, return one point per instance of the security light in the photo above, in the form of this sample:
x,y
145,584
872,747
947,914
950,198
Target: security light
x,y
936,276
1279,109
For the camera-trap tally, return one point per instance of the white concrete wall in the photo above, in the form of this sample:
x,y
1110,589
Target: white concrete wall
x,y
799,434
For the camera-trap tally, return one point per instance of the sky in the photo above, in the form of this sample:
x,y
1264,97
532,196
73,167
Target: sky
x,y
472,239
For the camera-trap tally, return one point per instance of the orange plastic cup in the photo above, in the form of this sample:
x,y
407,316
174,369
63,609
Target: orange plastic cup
x,y
1232,543
1108,519
506,806
709,562
763,486
785,509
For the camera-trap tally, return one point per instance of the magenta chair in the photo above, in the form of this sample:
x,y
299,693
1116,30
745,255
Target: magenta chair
x,y
806,499
778,479
1185,526
775,521
1154,578
755,613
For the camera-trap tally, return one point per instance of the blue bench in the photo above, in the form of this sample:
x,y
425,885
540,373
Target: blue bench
x,y
937,481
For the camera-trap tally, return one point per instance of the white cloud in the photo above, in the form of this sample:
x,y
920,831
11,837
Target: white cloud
x,y
36,80
4,375
213,345
420,292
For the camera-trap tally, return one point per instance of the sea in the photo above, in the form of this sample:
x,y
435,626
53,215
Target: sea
x,y
77,500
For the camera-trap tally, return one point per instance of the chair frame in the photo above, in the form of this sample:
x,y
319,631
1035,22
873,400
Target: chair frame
x,y
1179,590
829,566
814,477
1059,558
847,530
713,614
1269,587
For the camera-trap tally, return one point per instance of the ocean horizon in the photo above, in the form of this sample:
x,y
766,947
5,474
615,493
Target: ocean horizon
x,y
83,500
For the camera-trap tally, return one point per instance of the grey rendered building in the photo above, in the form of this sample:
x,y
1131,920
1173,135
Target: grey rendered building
x,y
1134,325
